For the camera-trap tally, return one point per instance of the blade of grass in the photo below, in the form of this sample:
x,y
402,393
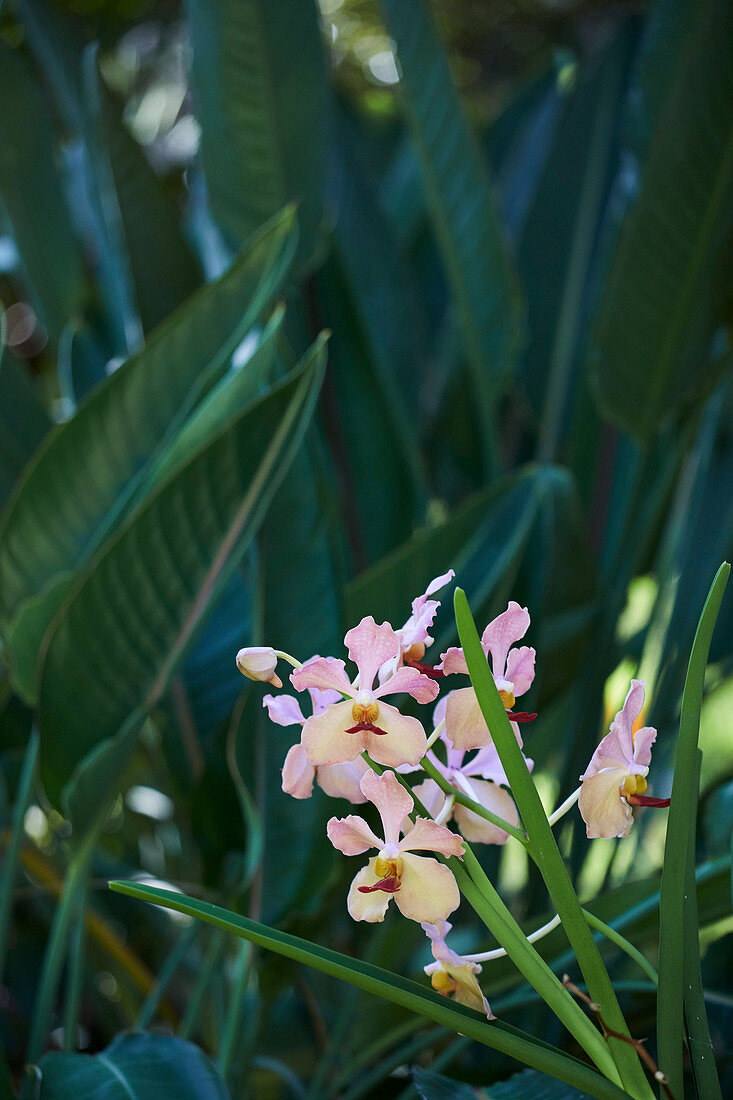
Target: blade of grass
x,y
544,849
682,810
393,987
170,965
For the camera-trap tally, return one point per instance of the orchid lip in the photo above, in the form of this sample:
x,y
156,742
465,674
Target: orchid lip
x,y
521,716
389,885
432,671
646,800
361,726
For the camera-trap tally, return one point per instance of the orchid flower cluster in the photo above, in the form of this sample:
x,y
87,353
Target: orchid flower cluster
x,y
358,746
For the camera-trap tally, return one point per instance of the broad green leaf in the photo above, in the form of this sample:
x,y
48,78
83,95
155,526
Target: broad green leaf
x,y
30,191
528,1085
139,1066
392,987
462,205
161,266
23,421
483,541
260,84
82,362
127,625
94,783
89,469
666,290
683,809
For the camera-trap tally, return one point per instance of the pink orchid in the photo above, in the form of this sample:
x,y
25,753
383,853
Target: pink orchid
x,y
362,720
513,671
616,775
482,778
423,888
336,780
452,974
414,635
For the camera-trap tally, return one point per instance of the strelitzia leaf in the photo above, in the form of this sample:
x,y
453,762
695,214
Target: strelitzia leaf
x,y
128,624
392,987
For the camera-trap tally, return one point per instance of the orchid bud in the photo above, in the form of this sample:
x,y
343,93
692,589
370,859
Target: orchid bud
x,y
259,663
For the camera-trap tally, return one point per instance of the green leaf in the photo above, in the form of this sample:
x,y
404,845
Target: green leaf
x,y
666,290
94,782
30,190
260,82
133,1067
528,1085
23,421
128,624
383,983
544,846
82,363
89,469
462,205
682,811
161,266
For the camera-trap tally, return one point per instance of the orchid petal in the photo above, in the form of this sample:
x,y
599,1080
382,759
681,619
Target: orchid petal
x,y
370,645
403,740
426,836
284,710
391,799
464,722
453,661
342,780
324,673
325,738
477,829
351,835
298,773
367,907
603,810
486,763
428,890
437,933
501,634
467,990
430,795
409,680
520,669
323,697
439,582
643,741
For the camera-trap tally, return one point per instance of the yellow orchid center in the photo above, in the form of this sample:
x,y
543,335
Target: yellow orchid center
x,y
443,982
365,709
507,698
388,868
633,784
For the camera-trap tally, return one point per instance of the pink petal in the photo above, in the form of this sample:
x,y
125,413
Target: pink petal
x,y
322,698
467,991
415,683
324,673
430,795
624,721
501,634
428,890
343,780
464,722
477,829
437,933
617,748
643,741
439,712
520,669
391,799
402,742
487,764
284,710
325,738
426,836
370,645
367,907
453,661
603,810
298,773
439,582
351,835
417,628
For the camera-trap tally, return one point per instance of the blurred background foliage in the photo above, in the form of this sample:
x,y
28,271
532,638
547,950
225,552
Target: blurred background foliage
x,y
513,218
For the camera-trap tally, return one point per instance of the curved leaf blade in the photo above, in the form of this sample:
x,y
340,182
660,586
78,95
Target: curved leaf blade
x,y
128,624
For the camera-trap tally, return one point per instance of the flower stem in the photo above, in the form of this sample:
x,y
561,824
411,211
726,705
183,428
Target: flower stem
x,y
499,952
563,809
435,734
282,655
471,804
445,812
621,941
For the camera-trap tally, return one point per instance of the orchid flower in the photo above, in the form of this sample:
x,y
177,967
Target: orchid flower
x,y
258,662
615,779
336,780
362,720
453,975
423,888
414,635
513,671
487,789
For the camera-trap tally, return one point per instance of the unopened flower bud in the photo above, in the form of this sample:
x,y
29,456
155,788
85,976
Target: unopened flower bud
x,y
259,663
